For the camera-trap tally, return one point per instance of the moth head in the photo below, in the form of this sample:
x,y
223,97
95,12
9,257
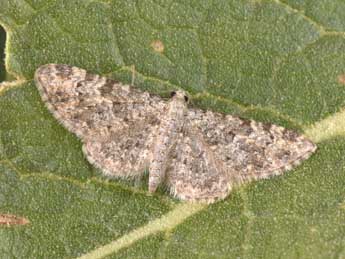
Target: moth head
x,y
179,95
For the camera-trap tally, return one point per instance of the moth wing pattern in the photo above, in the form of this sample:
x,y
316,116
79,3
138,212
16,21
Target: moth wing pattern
x,y
250,150
201,154
194,173
115,122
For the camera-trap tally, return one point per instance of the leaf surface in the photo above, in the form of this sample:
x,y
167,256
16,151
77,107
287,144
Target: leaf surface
x,y
275,61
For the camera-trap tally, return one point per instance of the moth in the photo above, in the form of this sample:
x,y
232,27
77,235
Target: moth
x,y
198,155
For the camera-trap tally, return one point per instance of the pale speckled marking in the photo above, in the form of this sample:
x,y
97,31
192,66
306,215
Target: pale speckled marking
x,y
199,155
116,123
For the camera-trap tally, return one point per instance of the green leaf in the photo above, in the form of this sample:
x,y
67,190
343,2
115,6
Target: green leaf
x,y
2,54
274,61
